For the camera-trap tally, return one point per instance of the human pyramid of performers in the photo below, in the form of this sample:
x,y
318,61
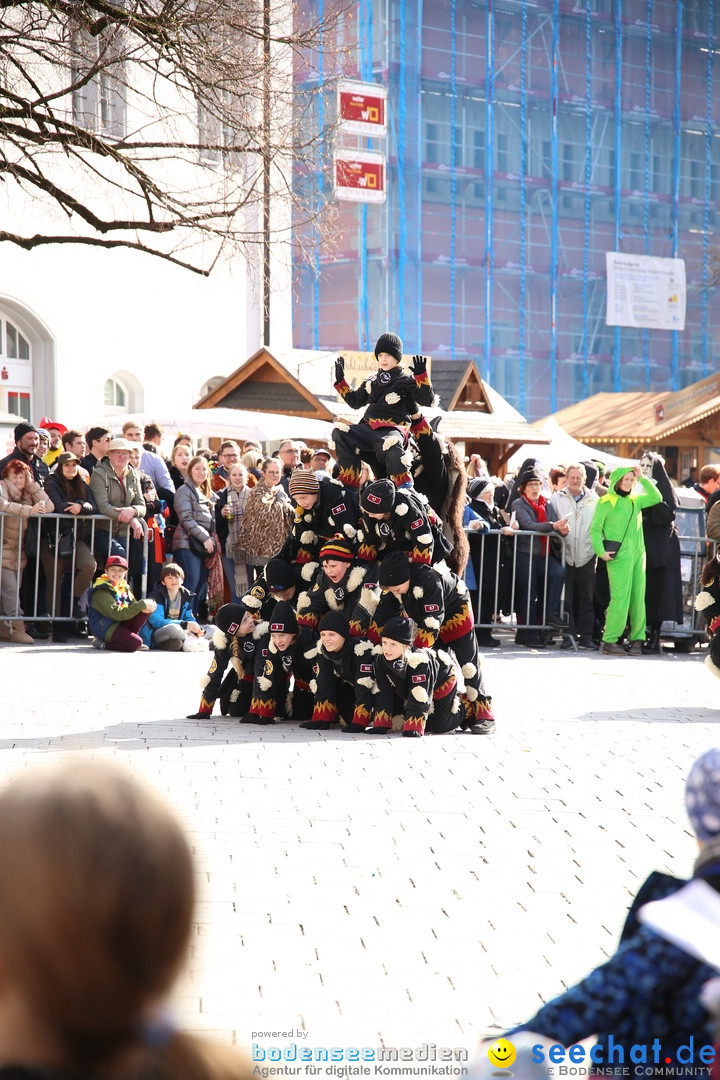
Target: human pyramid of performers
x,y
362,620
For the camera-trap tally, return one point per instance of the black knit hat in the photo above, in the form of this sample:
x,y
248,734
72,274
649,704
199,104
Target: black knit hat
x,y
476,486
378,497
390,343
530,475
399,629
23,429
229,617
336,621
283,620
279,574
394,569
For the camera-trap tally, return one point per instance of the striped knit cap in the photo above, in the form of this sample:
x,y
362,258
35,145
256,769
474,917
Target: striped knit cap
x,y
303,482
337,547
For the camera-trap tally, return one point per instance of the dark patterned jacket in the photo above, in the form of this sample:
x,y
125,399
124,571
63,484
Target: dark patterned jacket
x,y
391,397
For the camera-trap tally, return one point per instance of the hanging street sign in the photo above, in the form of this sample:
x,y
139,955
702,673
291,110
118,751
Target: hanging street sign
x,y
362,109
359,176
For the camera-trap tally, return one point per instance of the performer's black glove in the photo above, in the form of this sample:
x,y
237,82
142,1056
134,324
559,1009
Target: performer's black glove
x,y
419,365
339,369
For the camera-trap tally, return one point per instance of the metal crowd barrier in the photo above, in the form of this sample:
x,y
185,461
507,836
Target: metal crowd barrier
x,y
513,619
498,570
40,538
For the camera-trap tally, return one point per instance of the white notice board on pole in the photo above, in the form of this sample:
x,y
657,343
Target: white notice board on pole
x,y
645,291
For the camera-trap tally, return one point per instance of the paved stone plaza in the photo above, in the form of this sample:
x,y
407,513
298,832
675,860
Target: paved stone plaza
x,y
384,890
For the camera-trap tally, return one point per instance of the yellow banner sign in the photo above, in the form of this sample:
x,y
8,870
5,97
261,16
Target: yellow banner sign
x,y
360,365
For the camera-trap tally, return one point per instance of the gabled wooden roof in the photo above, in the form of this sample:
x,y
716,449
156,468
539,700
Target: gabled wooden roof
x,y
459,386
638,416
263,384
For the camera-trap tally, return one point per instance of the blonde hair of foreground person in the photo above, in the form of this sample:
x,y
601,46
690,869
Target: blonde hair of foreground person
x,y
96,906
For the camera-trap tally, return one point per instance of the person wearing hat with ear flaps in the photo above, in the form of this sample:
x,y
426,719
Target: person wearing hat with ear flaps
x,y
341,584
322,509
344,682
279,581
286,651
392,396
392,520
234,643
439,605
419,684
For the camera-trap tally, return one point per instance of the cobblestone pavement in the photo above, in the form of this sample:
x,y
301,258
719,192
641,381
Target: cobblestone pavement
x,y
393,890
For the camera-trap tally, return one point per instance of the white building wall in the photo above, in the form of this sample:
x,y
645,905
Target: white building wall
x,y
91,314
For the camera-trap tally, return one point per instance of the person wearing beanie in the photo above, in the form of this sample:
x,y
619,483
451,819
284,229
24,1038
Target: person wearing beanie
x,y
439,605
341,585
651,990
392,520
280,580
322,509
286,651
616,533
234,643
27,444
418,685
392,396
539,574
344,683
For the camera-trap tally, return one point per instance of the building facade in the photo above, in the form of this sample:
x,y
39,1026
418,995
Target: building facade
x,y
526,139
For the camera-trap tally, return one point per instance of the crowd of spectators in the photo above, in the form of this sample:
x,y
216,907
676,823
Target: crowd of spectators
x,y
152,549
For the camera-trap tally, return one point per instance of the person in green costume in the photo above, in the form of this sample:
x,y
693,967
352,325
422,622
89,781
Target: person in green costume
x,y
618,517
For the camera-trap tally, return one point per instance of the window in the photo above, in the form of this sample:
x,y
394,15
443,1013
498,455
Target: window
x,y
98,100
17,346
19,404
115,394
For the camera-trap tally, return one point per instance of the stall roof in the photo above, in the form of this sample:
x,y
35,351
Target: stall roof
x,y
299,382
640,416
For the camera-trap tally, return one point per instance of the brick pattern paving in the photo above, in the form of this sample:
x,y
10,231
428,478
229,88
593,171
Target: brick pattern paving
x,y
384,890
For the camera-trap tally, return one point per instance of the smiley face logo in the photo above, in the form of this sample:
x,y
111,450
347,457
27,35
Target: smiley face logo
x,y
501,1053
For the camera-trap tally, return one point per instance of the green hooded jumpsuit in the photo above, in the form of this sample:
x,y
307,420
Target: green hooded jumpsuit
x,y
619,517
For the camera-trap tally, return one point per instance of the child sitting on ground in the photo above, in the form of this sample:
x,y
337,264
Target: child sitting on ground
x,y
115,617
392,397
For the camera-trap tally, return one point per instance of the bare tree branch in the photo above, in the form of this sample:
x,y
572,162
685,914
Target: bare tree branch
x,y
166,119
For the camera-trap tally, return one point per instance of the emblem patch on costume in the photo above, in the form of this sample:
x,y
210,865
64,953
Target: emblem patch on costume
x,y
417,524
374,499
258,592
365,668
339,594
432,607
287,660
264,652
339,509
277,628
369,585
249,646
384,376
418,678
268,669
384,528
233,628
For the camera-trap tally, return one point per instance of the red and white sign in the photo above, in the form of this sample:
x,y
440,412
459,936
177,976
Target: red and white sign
x,y
362,109
359,176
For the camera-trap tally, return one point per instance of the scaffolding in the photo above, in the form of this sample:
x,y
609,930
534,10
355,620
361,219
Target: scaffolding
x,y
527,138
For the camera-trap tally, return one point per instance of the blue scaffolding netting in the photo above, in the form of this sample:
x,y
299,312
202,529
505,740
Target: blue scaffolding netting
x,y
526,139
